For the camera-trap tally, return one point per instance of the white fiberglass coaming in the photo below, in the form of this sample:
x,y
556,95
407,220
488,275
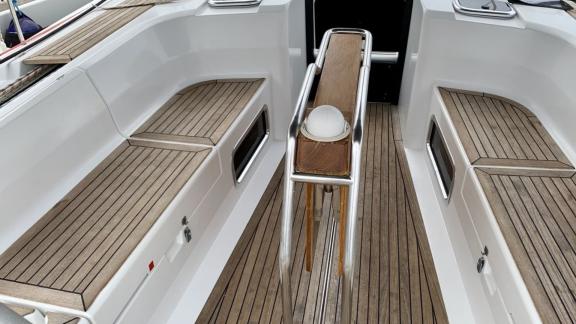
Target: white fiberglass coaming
x,y
526,59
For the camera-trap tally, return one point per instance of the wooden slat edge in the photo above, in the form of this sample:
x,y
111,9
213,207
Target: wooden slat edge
x,y
42,294
167,145
48,60
173,138
528,172
511,163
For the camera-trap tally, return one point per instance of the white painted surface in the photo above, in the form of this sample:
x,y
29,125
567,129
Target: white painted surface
x,y
48,144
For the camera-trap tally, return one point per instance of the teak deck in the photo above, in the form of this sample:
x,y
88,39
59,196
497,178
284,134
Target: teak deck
x,y
531,190
536,212
202,113
498,132
72,252
103,24
396,279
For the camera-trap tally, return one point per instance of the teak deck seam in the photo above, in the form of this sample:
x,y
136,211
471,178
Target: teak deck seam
x,y
248,287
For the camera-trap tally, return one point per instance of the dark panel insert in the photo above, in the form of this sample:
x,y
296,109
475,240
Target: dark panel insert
x,y
247,149
441,159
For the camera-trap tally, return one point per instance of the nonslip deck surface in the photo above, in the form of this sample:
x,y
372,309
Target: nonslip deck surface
x,y
536,212
72,252
498,132
395,279
202,113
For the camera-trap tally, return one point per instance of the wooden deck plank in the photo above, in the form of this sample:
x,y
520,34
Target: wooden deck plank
x,y
200,114
76,248
103,24
496,131
389,206
536,212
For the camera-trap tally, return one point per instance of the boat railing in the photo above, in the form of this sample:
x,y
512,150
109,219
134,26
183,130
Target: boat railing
x,y
352,181
45,308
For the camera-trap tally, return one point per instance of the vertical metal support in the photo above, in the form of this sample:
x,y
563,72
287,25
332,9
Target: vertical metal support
x,y
310,207
343,203
16,22
319,194
285,253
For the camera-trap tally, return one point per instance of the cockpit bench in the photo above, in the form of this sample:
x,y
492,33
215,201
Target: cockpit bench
x,y
529,187
72,252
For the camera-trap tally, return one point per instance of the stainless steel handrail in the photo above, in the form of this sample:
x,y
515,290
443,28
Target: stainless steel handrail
x,y
353,181
378,57
233,3
46,308
487,13
16,21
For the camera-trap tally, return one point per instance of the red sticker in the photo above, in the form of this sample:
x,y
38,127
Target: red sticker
x,y
151,265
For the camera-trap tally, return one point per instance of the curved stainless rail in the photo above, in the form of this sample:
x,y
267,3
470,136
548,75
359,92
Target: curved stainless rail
x,y
233,3
44,308
505,11
353,181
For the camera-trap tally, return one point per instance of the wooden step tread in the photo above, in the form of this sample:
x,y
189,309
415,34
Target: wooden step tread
x,y
73,251
498,132
536,212
201,113
396,280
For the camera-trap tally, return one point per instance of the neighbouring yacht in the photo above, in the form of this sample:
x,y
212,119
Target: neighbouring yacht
x,y
287,161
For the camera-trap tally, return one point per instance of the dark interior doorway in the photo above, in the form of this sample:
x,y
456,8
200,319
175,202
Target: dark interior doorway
x,y
388,22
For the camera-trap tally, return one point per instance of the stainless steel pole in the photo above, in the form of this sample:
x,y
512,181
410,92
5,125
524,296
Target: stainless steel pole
x,y
16,22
